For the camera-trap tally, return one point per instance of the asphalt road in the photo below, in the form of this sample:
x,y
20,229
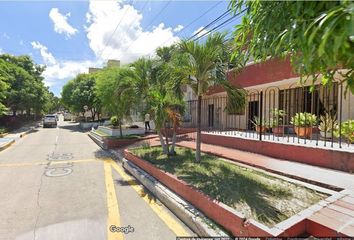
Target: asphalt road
x,y
56,183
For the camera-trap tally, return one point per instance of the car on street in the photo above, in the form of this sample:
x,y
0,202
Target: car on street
x,y
50,120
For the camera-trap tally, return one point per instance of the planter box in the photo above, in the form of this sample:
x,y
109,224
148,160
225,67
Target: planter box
x,y
222,214
125,131
110,143
89,125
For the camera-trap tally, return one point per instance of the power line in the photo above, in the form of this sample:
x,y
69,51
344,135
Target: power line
x,y
220,25
154,18
196,19
211,23
202,15
141,10
110,38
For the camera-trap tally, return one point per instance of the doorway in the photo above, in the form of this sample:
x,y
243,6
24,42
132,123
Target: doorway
x,y
211,115
252,113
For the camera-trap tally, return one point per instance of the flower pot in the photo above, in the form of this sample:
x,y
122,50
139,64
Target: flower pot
x,y
303,132
326,134
278,130
261,129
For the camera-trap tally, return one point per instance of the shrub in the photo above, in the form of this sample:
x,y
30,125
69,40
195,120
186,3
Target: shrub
x,y
114,121
328,123
346,130
304,119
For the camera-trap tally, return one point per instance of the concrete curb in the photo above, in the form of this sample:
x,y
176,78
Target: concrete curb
x,y
27,132
192,217
6,145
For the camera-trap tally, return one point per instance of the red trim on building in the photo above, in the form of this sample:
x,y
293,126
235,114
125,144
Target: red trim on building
x,y
270,71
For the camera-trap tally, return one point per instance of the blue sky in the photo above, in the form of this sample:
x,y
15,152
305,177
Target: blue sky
x,y
70,36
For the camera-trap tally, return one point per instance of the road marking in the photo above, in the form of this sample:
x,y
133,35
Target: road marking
x,y
112,204
46,163
171,223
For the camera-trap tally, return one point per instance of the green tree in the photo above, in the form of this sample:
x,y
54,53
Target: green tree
x,y
205,64
26,90
115,88
79,92
318,36
159,94
3,86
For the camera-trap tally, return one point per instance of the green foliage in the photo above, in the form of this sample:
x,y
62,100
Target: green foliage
x,y
3,130
116,90
328,123
304,119
346,131
277,117
257,122
114,121
79,92
316,35
22,79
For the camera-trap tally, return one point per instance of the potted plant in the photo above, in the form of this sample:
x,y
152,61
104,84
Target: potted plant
x,y
257,123
303,123
277,121
327,125
346,130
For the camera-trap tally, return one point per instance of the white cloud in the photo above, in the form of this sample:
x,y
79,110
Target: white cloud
x,y
130,41
57,72
47,57
5,35
201,31
22,43
1,51
61,24
178,28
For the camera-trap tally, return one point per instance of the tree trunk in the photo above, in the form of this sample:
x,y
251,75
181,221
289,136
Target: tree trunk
x,y
163,145
173,145
166,137
93,114
120,129
198,140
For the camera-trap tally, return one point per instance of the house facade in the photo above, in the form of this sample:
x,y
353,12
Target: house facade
x,y
271,85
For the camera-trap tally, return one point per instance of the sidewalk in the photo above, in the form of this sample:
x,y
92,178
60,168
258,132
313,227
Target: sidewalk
x,y
12,137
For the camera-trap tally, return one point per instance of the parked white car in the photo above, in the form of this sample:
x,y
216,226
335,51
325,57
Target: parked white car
x,y
49,121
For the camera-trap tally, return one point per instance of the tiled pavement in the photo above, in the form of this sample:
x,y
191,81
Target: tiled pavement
x,y
336,218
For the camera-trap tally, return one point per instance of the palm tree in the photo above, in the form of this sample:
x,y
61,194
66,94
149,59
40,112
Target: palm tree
x,y
206,65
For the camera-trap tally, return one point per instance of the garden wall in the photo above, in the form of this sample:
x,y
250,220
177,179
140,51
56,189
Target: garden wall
x,y
328,158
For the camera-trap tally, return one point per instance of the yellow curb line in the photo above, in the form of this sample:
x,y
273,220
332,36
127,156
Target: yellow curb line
x,y
171,223
112,204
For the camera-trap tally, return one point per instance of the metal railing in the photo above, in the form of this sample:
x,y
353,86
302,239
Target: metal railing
x,y
322,116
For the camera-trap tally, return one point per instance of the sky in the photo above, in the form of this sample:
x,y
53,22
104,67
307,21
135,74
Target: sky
x,y
71,36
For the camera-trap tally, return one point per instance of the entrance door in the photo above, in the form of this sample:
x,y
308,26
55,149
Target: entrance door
x,y
252,113
211,115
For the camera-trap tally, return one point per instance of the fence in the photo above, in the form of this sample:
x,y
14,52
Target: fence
x,y
321,116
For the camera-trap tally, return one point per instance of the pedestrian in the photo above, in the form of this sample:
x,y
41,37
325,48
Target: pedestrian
x,y
147,121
